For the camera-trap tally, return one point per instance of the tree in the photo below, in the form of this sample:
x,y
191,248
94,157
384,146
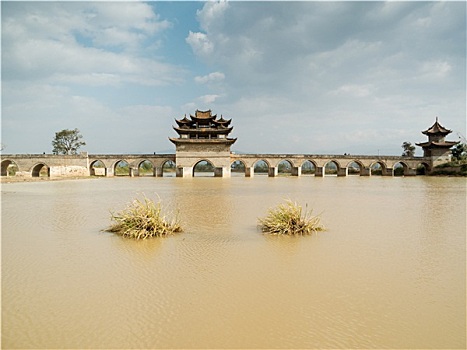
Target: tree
x,y
67,142
409,149
459,152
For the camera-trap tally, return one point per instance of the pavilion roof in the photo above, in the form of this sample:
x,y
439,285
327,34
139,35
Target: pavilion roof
x,y
203,119
436,128
222,121
204,114
184,121
434,144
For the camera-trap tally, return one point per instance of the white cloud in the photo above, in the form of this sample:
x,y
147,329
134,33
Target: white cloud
x,y
211,77
55,39
353,90
45,59
200,43
115,37
438,69
88,79
373,61
208,99
212,14
93,20
123,24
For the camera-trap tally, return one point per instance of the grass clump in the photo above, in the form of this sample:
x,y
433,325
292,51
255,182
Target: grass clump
x,y
289,219
143,219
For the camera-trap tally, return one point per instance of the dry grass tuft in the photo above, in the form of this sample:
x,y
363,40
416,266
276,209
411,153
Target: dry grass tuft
x,y
288,219
143,219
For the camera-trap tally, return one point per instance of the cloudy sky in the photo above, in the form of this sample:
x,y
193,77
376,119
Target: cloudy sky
x,y
295,77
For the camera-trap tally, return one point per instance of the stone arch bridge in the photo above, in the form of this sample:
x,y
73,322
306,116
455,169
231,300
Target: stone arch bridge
x,y
84,164
342,163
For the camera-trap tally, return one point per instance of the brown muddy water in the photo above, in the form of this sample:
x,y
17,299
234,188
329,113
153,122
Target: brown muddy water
x,y
390,271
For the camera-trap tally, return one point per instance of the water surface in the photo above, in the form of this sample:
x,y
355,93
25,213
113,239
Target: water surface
x,y
388,273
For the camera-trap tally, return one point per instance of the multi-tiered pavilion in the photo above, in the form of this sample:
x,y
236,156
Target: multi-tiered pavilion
x,y
203,135
437,148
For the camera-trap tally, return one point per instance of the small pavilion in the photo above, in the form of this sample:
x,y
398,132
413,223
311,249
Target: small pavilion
x,y
203,136
437,148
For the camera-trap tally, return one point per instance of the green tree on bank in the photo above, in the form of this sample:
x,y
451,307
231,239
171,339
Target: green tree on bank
x,y
409,149
459,152
67,142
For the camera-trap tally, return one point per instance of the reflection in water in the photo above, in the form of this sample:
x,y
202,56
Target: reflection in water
x,y
388,273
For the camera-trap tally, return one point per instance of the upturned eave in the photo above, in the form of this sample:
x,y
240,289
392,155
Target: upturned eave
x,y
206,131
434,144
179,141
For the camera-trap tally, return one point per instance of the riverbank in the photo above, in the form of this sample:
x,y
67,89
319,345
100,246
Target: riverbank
x,y
450,170
16,179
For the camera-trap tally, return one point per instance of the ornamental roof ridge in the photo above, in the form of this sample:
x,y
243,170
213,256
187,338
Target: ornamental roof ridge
x,y
436,128
204,114
222,120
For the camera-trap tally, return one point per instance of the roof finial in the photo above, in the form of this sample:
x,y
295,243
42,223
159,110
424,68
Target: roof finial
x,y
436,118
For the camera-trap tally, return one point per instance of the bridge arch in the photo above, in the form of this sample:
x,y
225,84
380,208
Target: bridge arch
x,y
355,167
261,166
121,168
378,168
145,168
168,168
284,167
140,162
275,162
97,164
332,167
136,163
423,168
9,168
203,167
400,169
238,166
97,168
308,167
40,170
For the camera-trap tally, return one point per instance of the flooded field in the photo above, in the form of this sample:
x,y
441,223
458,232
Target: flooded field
x,y
390,271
